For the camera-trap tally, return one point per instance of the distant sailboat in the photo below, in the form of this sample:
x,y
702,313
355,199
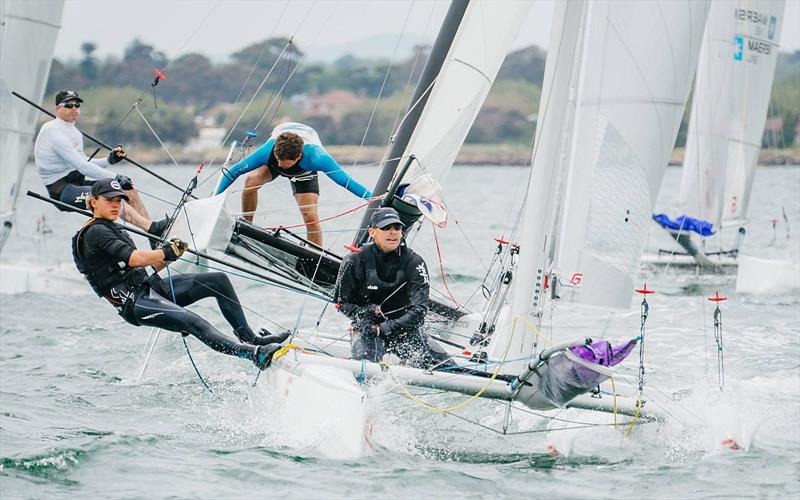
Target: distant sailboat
x,y
28,32
731,97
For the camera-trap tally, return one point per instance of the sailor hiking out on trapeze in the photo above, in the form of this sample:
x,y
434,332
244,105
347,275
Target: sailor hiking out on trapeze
x,y
115,268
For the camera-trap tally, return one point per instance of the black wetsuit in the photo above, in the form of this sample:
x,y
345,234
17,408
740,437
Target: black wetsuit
x,y
398,283
102,249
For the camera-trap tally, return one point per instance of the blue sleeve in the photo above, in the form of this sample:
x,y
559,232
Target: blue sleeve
x,y
320,161
259,157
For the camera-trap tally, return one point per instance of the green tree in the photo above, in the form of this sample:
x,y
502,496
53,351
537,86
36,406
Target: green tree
x,y
88,64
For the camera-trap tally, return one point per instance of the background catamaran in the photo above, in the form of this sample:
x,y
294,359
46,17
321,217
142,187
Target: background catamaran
x,y
28,32
729,108
616,83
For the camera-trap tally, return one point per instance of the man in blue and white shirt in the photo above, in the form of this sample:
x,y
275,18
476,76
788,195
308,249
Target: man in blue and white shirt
x,y
64,168
293,150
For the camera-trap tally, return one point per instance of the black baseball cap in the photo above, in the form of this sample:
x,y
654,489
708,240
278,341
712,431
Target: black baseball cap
x,y
382,217
67,95
108,188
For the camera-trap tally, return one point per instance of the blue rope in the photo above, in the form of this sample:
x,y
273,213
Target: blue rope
x,y
183,337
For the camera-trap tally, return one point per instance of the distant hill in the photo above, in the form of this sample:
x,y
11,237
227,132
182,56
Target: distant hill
x,y
373,47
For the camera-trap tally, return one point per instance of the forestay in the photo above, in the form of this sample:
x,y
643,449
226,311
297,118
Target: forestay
x,y
732,90
480,45
28,32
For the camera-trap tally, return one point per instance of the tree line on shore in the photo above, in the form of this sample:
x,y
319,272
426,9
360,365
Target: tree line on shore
x,y
199,92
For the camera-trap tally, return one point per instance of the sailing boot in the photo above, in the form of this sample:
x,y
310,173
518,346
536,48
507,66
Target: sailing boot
x,y
157,228
246,336
262,355
268,338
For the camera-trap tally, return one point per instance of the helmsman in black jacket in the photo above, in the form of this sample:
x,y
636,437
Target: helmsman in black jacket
x,y
384,289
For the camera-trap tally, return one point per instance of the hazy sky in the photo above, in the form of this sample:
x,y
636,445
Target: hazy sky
x,y
217,28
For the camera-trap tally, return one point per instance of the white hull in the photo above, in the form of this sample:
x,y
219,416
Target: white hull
x,y
767,276
322,407
721,264
23,277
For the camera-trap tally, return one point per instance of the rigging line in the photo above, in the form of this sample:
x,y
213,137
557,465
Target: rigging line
x,y
183,337
449,211
407,86
441,266
271,99
383,85
230,299
156,136
258,59
264,81
215,172
470,399
324,219
303,56
148,87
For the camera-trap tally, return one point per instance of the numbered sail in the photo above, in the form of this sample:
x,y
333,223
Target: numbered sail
x,y
636,67
734,82
478,50
28,32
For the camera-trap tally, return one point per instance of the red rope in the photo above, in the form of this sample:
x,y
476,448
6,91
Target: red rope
x,y
322,220
441,266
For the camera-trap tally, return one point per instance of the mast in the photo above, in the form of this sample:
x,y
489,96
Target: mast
x,y
536,225
391,160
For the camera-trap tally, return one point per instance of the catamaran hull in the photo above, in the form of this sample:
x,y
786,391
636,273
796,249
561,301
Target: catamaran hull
x,y
767,276
321,407
36,278
723,265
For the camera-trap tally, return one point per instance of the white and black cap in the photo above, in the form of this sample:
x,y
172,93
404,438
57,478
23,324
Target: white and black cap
x,y
108,188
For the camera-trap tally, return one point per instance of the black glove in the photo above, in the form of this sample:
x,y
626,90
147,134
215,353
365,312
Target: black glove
x,y
363,325
173,249
125,182
116,155
369,313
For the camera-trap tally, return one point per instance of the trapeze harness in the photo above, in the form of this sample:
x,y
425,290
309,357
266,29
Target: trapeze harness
x,y
116,282
391,295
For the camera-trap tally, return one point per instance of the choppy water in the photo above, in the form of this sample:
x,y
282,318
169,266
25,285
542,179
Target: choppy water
x,y
75,423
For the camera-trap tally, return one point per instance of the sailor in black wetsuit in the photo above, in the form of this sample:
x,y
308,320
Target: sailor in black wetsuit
x,y
115,268
384,289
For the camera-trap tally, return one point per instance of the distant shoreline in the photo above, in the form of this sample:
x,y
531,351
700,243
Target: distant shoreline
x,y
471,154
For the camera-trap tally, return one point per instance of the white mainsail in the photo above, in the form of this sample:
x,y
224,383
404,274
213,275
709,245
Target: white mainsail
x,y
734,83
28,32
616,83
483,39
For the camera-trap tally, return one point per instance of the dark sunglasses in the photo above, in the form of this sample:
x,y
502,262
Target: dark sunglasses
x,y
396,227
70,105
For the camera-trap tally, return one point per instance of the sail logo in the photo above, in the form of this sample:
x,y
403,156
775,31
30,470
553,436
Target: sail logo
x,y
739,42
773,24
576,279
753,16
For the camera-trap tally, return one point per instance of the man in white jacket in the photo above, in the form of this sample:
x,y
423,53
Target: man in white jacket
x,y
64,168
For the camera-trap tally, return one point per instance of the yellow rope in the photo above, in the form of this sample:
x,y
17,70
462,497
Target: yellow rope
x,y
636,415
438,409
614,392
285,350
